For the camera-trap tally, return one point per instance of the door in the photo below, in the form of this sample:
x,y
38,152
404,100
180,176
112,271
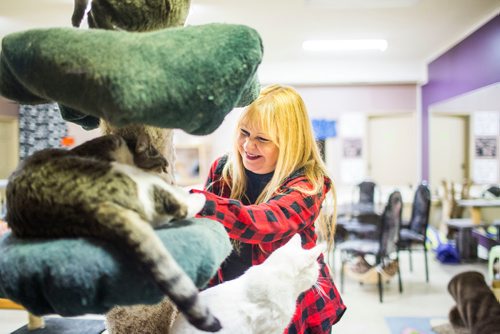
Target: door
x,y
448,148
392,149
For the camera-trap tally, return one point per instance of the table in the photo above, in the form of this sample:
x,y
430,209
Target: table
x,y
475,206
356,209
359,218
461,230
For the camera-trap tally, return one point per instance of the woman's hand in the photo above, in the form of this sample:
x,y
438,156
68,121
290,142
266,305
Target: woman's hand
x,y
3,227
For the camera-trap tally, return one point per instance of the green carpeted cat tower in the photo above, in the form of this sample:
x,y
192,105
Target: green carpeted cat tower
x,y
188,78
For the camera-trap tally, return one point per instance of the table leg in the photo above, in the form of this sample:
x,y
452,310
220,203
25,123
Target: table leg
x,y
475,213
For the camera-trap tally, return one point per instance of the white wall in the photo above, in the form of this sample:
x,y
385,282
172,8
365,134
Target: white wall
x,y
327,102
323,102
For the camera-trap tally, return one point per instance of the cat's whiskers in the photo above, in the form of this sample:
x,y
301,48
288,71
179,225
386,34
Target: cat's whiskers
x,y
318,286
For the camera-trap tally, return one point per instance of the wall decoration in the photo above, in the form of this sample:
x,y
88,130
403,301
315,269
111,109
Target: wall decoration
x,y
485,171
352,148
40,126
486,134
486,123
352,130
485,147
324,128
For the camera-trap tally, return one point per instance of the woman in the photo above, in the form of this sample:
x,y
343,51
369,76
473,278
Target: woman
x,y
270,188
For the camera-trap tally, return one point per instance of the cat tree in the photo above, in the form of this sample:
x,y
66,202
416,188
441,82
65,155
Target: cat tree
x,y
164,79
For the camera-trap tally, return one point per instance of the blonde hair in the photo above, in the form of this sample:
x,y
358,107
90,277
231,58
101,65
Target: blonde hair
x,y
280,112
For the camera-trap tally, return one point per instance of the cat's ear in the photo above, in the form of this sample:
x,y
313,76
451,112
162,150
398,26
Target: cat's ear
x,y
315,252
295,241
142,143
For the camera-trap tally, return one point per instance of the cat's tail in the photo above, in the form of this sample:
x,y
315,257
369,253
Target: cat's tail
x,y
139,236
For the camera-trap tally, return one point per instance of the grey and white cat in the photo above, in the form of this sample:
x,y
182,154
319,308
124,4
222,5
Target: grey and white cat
x,y
262,300
96,190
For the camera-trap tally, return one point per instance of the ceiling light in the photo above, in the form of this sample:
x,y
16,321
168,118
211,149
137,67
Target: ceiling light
x,y
362,3
345,44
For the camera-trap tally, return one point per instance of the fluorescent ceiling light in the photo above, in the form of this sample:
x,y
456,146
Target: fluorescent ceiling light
x,y
362,3
345,45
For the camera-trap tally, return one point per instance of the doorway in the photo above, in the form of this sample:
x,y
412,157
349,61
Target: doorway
x,y
448,148
392,149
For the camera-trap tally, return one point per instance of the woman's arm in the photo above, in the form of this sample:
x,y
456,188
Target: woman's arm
x,y
281,216
3,227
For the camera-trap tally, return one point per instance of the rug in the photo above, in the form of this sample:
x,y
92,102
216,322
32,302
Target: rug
x,y
413,325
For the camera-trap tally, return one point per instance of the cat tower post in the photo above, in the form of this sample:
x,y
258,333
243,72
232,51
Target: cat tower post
x,y
72,277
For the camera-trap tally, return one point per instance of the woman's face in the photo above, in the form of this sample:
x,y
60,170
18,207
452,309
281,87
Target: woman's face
x,y
258,152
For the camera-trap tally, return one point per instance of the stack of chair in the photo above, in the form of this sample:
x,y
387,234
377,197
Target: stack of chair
x,y
383,247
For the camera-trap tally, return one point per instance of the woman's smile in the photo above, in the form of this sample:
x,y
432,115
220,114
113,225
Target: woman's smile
x,y
258,153
252,156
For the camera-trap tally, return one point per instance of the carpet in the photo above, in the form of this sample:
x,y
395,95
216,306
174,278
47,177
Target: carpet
x,y
413,325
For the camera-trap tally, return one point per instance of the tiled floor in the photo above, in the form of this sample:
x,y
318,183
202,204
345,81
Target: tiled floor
x,y
365,314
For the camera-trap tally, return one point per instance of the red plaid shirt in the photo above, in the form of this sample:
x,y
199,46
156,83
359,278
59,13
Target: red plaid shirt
x,y
270,225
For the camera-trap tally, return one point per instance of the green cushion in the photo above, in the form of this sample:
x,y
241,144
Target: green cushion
x,y
78,276
188,78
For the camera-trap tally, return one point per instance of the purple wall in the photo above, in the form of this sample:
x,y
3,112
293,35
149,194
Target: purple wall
x,y
471,64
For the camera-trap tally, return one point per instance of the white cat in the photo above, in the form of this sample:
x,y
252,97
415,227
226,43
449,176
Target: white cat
x,y
263,299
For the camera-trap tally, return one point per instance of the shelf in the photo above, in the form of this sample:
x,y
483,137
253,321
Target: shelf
x,y
190,164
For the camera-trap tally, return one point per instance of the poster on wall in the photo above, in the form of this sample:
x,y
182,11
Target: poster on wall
x,y
352,148
352,130
486,131
485,171
485,147
486,123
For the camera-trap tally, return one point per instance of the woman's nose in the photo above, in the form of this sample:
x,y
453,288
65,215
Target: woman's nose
x,y
249,143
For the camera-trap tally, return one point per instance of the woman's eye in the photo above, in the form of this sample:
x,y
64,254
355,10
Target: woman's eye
x,y
263,140
244,133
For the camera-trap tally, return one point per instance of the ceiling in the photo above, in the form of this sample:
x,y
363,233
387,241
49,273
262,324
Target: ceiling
x,y
417,31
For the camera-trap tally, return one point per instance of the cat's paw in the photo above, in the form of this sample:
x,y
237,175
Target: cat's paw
x,y
195,203
153,163
146,156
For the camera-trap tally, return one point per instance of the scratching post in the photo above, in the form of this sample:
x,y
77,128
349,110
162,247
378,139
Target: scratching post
x,y
188,78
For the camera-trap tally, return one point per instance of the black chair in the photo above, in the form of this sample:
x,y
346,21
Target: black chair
x,y
414,232
360,217
382,248
366,192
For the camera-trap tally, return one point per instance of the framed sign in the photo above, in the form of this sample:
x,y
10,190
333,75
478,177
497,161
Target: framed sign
x,y
485,147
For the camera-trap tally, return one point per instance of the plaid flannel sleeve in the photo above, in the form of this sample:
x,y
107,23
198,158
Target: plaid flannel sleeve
x,y
283,215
